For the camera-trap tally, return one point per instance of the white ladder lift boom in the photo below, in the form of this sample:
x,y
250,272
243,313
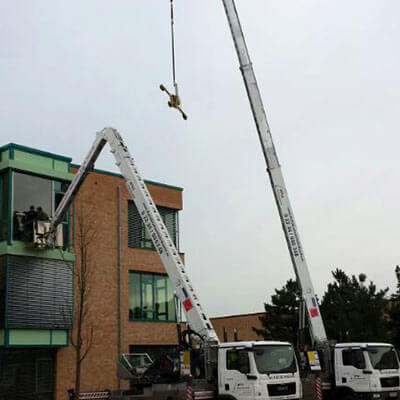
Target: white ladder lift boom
x,y
317,329
197,319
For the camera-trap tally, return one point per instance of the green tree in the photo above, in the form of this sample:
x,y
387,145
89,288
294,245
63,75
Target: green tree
x,y
354,310
394,313
281,318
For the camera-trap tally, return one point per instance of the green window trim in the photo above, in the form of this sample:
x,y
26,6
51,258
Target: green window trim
x,y
151,298
138,237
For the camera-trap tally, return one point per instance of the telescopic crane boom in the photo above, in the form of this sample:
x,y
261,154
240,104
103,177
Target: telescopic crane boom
x,y
317,329
341,379
196,317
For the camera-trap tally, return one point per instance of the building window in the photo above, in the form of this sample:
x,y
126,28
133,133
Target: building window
x,y
30,192
27,374
238,360
151,297
138,236
4,192
33,191
59,189
354,358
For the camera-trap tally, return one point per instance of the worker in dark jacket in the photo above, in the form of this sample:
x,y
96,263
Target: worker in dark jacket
x,y
28,221
41,215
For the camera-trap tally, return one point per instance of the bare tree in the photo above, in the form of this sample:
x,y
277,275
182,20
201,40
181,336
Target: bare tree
x,y
81,334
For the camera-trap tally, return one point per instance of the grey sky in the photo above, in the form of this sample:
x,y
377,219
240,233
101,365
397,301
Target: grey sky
x,y
329,75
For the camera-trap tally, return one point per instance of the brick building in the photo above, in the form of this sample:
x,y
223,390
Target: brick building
x,y
37,286
233,328
131,304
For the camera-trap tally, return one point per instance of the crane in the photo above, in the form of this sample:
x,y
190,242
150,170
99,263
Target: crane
x,y
348,369
318,333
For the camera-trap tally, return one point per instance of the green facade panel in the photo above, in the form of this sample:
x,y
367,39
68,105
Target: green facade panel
x,y
18,158
33,338
29,337
35,161
35,169
59,337
19,248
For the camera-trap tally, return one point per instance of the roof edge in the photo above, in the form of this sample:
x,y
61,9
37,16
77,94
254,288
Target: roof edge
x,y
105,172
32,150
239,315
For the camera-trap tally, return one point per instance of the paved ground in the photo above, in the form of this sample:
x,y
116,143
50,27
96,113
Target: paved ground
x,y
309,388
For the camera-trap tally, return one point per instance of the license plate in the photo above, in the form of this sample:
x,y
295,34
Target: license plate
x,y
392,394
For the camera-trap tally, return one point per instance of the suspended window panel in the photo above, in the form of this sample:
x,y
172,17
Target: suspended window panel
x,y
139,237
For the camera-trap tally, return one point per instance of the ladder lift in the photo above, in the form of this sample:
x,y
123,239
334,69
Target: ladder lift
x,y
228,369
169,255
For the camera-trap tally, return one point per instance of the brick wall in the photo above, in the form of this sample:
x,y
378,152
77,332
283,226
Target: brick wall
x,y
99,369
243,323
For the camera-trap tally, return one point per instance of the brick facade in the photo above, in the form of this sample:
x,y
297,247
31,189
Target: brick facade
x,y
99,370
97,201
242,323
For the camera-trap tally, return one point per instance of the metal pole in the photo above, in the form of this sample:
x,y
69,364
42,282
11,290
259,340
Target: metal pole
x,y
120,277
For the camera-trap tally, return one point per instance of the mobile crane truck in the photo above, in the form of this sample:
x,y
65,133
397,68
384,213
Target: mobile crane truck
x,y
350,371
253,370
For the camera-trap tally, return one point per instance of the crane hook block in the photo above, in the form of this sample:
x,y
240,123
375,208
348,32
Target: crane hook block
x,y
174,100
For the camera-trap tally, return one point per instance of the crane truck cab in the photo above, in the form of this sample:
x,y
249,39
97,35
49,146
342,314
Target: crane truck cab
x,y
366,371
254,370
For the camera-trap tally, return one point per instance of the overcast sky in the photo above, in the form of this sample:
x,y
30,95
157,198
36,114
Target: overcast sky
x,y
329,76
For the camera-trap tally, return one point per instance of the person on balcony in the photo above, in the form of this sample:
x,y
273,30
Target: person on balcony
x,y
41,215
28,221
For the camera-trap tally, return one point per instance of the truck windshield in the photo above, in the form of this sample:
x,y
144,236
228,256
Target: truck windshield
x,y
383,357
275,359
